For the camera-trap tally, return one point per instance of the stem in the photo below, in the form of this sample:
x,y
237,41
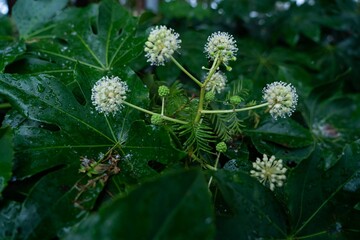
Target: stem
x,y
186,72
312,235
152,113
162,106
215,168
215,65
5,105
235,110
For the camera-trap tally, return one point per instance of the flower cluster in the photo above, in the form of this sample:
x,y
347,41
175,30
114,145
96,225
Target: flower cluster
x,y
223,45
216,83
269,171
108,94
282,99
161,45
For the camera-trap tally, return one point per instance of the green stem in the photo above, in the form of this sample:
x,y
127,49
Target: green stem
x,y
162,106
235,110
215,168
152,113
186,72
312,235
5,105
213,68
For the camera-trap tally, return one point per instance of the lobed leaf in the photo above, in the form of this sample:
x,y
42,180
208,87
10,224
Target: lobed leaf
x,y
158,209
312,193
253,213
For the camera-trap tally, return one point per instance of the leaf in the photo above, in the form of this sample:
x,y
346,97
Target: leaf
x,y
7,155
312,192
327,115
289,155
251,206
45,142
199,137
52,205
155,210
58,140
32,15
148,144
100,38
9,52
8,212
285,132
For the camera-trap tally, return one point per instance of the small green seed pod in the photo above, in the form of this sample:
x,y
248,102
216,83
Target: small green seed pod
x,y
235,100
221,147
209,96
163,91
156,119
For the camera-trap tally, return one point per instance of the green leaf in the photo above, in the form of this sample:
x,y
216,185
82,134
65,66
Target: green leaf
x,y
8,212
54,203
48,140
148,144
101,39
289,155
158,209
7,155
285,132
6,27
312,192
9,52
32,15
251,206
327,115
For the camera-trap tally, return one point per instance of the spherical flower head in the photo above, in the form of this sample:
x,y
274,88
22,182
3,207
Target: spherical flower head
x,y
163,91
223,45
156,119
108,94
216,83
235,100
282,99
221,147
270,172
210,96
161,45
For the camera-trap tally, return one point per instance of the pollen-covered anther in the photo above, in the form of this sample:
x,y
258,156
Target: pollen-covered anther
x,y
282,99
108,95
161,45
221,45
270,172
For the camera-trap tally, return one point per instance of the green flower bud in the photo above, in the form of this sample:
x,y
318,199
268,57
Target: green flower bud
x,y
163,91
221,147
235,100
156,119
210,96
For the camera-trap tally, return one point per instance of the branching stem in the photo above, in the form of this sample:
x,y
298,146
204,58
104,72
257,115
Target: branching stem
x,y
215,168
153,113
213,68
186,72
235,110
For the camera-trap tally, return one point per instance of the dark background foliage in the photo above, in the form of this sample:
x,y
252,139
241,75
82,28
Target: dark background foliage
x,y
52,54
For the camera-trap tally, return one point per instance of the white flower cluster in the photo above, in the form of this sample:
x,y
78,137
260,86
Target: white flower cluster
x,y
282,99
108,94
269,171
216,83
223,45
161,45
